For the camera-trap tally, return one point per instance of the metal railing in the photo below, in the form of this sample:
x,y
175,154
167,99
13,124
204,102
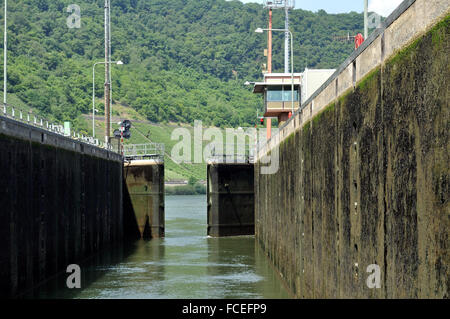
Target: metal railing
x,y
28,117
144,151
233,153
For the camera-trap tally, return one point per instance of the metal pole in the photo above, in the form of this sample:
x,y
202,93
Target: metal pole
x,y
110,70
366,19
292,62
269,44
5,53
286,41
93,100
121,140
292,69
93,91
107,83
269,70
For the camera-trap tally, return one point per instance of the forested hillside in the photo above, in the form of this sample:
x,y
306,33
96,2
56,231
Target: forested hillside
x,y
184,59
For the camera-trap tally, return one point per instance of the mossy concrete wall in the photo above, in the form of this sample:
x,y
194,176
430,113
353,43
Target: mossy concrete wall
x,y
60,200
367,181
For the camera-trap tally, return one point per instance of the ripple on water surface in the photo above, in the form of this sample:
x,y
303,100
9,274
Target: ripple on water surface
x,y
186,264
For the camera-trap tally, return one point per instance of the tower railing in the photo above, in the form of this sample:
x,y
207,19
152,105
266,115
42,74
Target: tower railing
x,y
279,4
233,153
154,151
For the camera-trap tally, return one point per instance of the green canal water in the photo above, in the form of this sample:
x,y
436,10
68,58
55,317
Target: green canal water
x,y
186,264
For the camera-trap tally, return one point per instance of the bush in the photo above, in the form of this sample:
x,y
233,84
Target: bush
x,y
197,189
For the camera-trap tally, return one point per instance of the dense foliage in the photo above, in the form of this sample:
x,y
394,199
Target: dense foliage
x,y
184,59
196,189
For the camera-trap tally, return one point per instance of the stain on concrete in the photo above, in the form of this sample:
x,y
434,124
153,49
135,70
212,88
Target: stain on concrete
x,y
144,199
367,182
58,208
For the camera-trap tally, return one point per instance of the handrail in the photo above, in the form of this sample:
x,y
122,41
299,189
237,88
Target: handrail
x,y
30,118
143,151
239,153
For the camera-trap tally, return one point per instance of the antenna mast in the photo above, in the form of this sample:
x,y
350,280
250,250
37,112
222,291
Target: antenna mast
x,y
286,5
107,74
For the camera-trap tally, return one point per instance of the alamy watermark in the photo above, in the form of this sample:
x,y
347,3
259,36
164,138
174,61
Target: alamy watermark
x,y
374,21
374,279
237,146
74,279
74,20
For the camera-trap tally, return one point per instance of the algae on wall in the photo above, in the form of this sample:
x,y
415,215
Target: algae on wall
x,y
367,182
58,208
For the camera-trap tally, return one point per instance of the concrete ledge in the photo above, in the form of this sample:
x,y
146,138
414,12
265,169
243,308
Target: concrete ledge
x,y
34,134
143,163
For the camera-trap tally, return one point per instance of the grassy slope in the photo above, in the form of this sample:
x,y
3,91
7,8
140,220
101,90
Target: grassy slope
x,y
159,133
162,134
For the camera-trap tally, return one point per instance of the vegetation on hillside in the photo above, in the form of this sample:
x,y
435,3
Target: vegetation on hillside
x,y
184,59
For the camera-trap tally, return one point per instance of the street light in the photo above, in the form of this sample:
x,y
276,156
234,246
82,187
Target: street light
x,y
5,41
366,22
260,30
93,92
110,91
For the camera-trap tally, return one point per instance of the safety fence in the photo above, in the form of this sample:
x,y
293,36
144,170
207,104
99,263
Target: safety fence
x,y
30,118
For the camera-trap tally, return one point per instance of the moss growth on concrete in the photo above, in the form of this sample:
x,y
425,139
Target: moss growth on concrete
x,y
368,80
439,31
306,127
325,111
369,184
287,140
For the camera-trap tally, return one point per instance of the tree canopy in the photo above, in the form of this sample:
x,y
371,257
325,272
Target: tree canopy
x,y
184,59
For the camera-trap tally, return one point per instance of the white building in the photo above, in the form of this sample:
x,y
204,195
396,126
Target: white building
x,y
311,80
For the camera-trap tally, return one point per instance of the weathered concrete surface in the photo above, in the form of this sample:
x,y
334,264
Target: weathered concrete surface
x,y
144,199
367,181
61,201
231,209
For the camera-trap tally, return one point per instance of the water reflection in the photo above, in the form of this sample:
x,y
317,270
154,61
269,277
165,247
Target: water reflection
x,y
186,264
239,268
92,269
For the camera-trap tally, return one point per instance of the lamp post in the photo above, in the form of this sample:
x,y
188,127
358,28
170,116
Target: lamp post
x,y
5,51
366,19
93,92
260,30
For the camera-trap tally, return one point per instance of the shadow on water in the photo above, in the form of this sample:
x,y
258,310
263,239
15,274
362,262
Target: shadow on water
x,y
185,264
92,269
240,269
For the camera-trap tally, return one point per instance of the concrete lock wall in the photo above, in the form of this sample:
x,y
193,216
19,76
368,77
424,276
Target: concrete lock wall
x,y
144,199
365,178
60,200
230,196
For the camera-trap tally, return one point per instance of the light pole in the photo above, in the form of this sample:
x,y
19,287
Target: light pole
x,y
5,52
93,93
366,19
260,30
